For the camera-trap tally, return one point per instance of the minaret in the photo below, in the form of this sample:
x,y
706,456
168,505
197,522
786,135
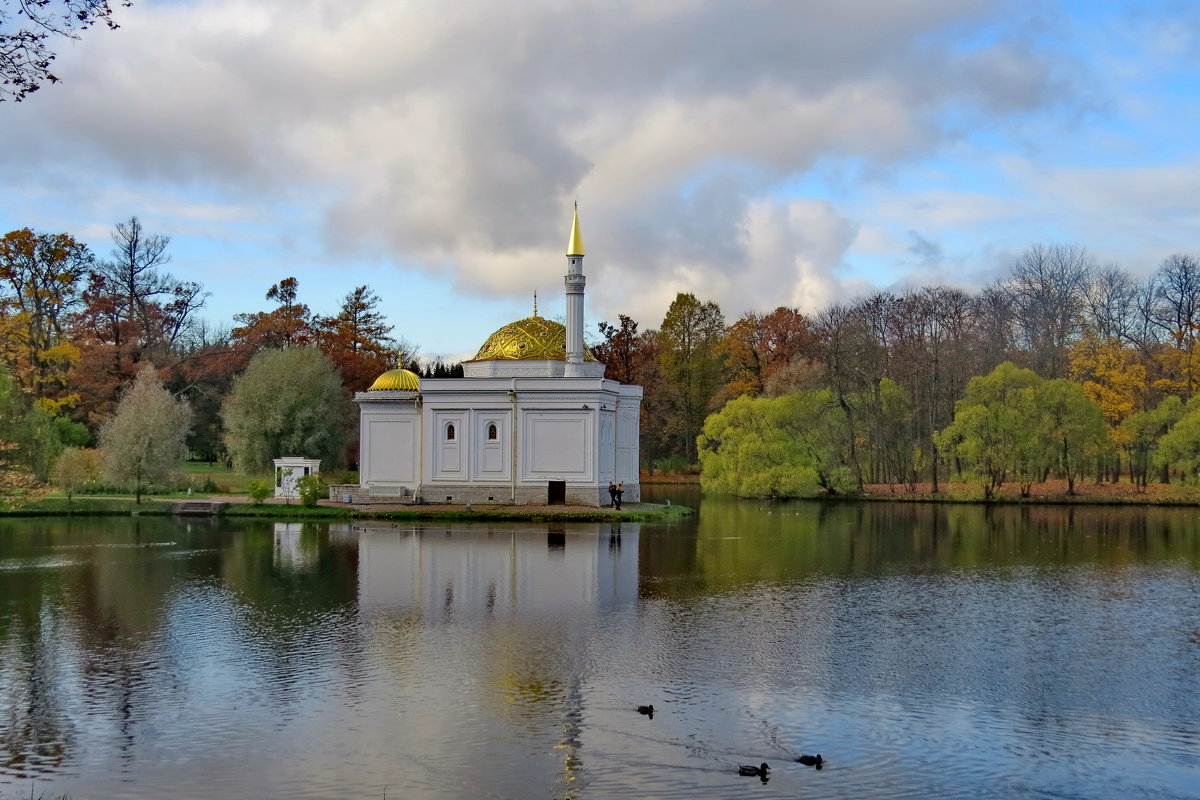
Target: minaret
x,y
574,282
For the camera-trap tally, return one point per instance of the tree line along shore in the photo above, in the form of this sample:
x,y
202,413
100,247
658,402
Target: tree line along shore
x,y
1060,371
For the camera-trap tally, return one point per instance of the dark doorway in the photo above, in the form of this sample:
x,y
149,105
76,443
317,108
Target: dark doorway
x,y
557,494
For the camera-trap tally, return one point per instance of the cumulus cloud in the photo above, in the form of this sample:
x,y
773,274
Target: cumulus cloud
x,y
453,138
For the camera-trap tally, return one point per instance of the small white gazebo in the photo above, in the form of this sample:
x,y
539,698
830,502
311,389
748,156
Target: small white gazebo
x,y
289,470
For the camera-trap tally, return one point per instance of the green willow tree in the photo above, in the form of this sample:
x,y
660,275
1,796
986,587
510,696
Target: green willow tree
x,y
993,426
1013,425
1179,447
16,476
288,402
146,439
1142,432
1073,426
787,446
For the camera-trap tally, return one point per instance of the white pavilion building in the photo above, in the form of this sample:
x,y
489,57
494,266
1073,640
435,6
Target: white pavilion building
x,y
534,421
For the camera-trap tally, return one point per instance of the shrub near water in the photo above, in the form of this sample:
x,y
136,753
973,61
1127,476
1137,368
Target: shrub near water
x,y
258,491
176,483
311,489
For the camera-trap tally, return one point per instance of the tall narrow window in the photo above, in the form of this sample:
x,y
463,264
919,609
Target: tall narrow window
x,y
493,434
450,432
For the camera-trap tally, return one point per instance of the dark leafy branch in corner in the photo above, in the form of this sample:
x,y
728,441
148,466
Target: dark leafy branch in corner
x,y
26,30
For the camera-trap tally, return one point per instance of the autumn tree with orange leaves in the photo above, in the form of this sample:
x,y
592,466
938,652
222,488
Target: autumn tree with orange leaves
x,y
758,346
358,340
133,313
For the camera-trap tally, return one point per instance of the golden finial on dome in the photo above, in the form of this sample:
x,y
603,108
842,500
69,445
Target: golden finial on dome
x,y
535,302
575,243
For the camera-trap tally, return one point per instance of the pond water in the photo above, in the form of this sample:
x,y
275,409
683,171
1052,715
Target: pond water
x,y
925,652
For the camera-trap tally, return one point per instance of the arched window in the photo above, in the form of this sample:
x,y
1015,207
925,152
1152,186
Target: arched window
x,y
450,432
493,434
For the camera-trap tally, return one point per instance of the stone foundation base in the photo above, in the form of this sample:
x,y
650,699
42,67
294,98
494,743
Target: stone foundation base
x,y
526,495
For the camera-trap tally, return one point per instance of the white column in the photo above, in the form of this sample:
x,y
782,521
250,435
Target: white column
x,y
574,282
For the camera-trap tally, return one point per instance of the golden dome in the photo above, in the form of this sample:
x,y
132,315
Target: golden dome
x,y
396,379
529,339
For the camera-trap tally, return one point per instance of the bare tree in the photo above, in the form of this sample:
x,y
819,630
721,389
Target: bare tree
x,y
878,314
935,358
1173,309
1048,286
847,347
1111,304
138,302
1175,306
996,319
25,54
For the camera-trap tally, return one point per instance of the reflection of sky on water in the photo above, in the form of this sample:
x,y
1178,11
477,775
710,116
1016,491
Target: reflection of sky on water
x,y
1002,654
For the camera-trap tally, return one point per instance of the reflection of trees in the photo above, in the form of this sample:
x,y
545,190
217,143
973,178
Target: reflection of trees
x,y
85,618
734,542
297,599
81,615
35,735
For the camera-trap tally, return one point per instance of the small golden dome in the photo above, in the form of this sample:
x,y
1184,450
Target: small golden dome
x,y
529,339
396,380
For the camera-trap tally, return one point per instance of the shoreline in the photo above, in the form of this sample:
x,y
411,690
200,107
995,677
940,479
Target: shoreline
x,y
275,508
1052,492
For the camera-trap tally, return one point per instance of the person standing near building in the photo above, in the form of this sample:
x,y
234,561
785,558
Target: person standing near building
x,y
612,495
617,495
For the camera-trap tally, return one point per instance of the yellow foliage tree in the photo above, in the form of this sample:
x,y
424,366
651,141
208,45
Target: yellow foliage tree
x,y
1111,378
40,276
1178,365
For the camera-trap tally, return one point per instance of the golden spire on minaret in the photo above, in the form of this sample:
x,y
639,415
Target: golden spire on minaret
x,y
575,243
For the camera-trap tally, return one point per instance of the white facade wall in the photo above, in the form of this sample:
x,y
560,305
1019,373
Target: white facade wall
x,y
500,440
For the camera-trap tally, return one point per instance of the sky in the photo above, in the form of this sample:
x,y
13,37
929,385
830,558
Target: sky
x,y
753,153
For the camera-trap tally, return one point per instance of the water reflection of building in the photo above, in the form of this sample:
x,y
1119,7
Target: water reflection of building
x,y
477,569
529,594
290,551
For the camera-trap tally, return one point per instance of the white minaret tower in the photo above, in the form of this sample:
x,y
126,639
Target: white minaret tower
x,y
574,282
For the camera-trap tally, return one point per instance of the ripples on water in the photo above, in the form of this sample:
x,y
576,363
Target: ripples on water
x,y
987,658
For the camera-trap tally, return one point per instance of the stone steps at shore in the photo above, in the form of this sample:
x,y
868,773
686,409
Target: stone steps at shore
x,y
198,508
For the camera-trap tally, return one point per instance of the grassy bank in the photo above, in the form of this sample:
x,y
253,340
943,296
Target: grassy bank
x,y
119,506
1045,493
226,480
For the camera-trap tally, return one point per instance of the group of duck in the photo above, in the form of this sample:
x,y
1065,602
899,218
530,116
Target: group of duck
x,y
749,769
